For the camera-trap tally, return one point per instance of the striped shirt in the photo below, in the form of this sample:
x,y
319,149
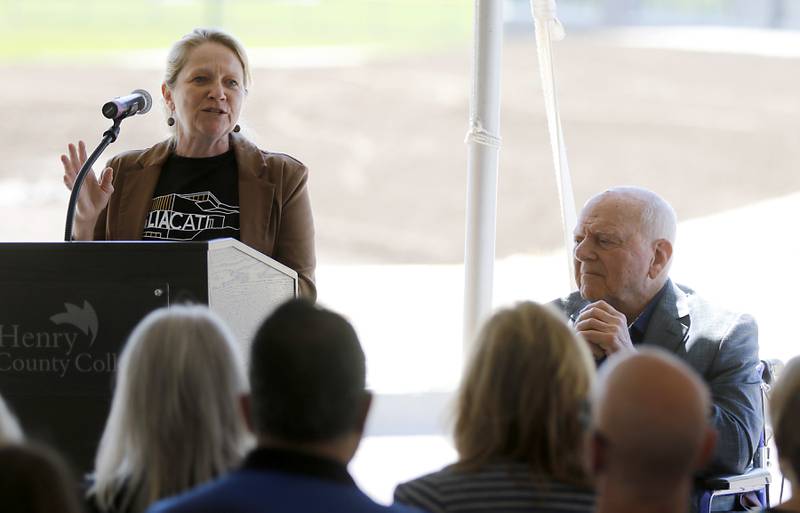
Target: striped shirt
x,y
496,488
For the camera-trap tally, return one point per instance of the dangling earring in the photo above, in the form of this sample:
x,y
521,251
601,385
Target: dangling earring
x,y
237,128
171,121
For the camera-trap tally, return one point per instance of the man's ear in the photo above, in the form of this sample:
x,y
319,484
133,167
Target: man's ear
x,y
662,254
363,413
246,408
596,453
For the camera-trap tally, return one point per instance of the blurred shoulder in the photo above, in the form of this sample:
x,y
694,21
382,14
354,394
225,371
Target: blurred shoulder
x,y
126,159
285,163
712,317
155,155
276,163
426,492
569,304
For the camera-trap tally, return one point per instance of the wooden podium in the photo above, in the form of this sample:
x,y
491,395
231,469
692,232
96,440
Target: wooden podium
x,y
66,310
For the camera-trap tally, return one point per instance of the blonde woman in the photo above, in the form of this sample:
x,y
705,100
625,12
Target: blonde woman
x,y
520,421
784,405
207,181
175,418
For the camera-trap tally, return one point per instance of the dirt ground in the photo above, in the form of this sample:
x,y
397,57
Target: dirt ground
x,y
385,140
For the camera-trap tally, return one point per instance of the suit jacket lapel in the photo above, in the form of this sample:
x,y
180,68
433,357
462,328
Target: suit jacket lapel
x,y
137,193
255,193
573,305
670,322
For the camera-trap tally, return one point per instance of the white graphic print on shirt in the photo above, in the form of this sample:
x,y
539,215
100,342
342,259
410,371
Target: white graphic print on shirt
x,y
185,216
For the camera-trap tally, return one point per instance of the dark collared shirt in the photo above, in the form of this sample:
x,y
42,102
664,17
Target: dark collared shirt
x,y
638,329
295,462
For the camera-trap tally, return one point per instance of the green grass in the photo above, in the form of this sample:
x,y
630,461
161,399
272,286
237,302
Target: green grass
x,y
42,28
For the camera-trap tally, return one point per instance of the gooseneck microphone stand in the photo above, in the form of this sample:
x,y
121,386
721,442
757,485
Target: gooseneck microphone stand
x,y
109,136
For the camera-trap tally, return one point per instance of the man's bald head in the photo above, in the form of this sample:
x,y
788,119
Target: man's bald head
x,y
651,423
623,248
657,218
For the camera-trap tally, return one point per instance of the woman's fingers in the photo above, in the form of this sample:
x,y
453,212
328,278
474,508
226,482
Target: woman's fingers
x,y
69,172
73,156
67,165
106,180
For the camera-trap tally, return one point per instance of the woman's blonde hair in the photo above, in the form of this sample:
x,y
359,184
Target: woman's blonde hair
x,y
179,53
524,396
784,411
175,419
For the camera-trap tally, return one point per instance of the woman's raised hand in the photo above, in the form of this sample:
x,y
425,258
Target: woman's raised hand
x,y
94,194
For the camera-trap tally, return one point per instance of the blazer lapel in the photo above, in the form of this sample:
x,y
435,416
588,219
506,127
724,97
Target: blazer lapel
x,y
670,322
255,194
137,193
573,305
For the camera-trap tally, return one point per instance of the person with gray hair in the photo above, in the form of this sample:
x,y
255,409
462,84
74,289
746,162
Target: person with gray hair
x,y
784,412
10,432
176,419
206,181
623,251
642,452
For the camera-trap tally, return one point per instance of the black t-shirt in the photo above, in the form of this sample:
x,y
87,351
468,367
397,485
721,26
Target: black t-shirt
x,y
195,199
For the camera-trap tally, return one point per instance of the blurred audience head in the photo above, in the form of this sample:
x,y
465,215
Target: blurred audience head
x,y
651,427
34,479
308,379
784,406
524,395
10,432
176,418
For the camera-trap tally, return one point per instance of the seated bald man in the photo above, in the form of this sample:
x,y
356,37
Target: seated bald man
x,y
642,455
623,251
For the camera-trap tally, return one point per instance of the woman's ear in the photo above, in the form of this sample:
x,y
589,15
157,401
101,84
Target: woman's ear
x,y
167,94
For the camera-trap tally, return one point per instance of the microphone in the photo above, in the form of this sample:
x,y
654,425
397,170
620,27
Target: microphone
x,y
138,102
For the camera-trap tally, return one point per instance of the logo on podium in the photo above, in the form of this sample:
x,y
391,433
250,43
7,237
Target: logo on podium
x,y
85,319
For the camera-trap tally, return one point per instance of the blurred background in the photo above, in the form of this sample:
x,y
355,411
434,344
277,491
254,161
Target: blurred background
x,y
695,99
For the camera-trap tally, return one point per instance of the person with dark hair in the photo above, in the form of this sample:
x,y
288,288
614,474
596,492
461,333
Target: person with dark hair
x,y
34,479
520,421
307,408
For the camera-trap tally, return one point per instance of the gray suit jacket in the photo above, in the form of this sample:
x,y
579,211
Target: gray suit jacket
x,y
723,348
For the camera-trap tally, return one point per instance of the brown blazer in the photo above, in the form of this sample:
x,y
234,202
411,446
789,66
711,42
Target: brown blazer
x,y
274,207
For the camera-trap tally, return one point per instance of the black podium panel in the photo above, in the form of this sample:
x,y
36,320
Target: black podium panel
x,y
71,338
66,310
65,313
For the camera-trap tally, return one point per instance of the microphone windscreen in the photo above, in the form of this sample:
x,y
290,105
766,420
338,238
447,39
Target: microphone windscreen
x,y
148,100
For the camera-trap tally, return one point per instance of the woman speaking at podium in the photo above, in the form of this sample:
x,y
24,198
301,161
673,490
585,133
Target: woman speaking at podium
x,y
207,181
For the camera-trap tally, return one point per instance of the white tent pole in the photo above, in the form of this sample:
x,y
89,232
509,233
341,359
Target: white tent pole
x,y
482,159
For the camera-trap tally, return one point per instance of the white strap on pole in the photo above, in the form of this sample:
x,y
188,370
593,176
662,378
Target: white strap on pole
x,y
548,29
480,135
